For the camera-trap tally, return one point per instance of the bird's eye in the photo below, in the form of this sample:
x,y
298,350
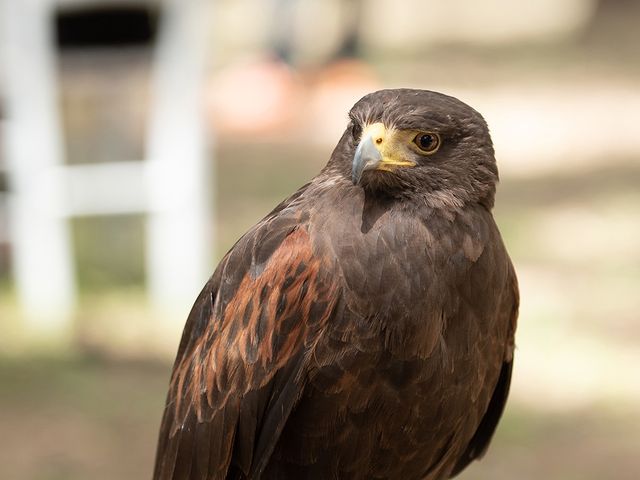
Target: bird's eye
x,y
356,130
427,142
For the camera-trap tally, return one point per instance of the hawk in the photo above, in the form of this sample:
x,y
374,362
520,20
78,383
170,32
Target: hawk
x,y
365,327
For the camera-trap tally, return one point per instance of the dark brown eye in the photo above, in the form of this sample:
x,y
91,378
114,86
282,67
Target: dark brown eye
x,y
427,142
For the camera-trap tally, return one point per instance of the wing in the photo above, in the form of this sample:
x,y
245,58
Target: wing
x,y
480,441
239,366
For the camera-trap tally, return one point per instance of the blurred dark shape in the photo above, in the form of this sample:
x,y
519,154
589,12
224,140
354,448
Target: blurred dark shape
x,y
105,26
104,67
618,5
283,23
4,228
614,21
290,81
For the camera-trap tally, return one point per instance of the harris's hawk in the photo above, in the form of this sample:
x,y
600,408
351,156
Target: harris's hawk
x,y
365,327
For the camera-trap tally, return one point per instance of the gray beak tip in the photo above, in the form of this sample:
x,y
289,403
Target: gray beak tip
x,y
367,157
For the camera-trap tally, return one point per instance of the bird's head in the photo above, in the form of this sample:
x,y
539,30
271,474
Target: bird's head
x,y
418,143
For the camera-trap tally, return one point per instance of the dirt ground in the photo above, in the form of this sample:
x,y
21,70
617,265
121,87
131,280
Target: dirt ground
x,y
80,418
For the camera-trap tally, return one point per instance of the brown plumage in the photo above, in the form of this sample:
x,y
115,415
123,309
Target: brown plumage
x,y
365,327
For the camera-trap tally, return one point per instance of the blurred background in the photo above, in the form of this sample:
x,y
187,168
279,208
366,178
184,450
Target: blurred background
x,y
140,139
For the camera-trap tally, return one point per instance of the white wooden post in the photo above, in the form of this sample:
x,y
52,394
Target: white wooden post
x,y
171,185
179,229
41,260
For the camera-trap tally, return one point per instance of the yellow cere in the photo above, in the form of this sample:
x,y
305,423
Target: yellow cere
x,y
394,145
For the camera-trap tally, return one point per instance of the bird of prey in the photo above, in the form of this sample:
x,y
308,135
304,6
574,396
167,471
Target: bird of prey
x,y
365,327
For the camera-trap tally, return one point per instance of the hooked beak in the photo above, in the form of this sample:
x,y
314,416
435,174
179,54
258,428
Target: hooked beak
x,y
380,149
367,157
